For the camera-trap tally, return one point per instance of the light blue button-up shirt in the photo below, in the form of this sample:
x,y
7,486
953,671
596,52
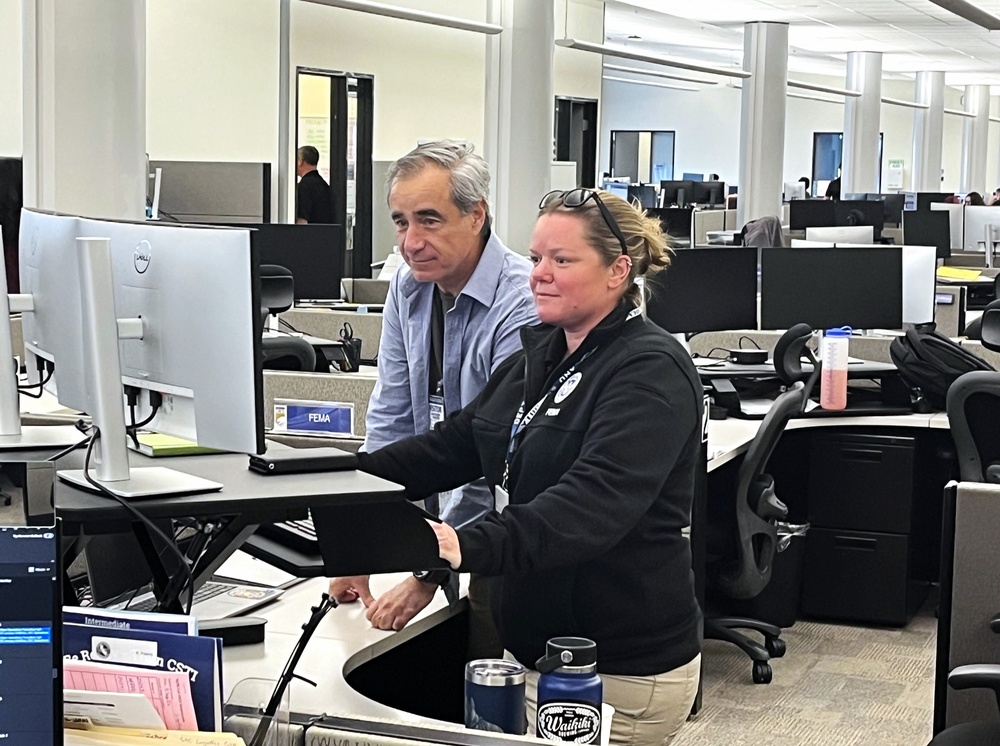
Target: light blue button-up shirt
x,y
480,332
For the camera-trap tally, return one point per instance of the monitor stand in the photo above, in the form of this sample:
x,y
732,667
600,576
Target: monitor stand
x,y
41,437
145,482
101,362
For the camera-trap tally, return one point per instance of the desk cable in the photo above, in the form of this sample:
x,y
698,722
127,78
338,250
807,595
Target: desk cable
x,y
267,716
150,525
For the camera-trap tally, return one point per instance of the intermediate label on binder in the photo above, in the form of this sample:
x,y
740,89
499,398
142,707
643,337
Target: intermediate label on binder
x,y
312,418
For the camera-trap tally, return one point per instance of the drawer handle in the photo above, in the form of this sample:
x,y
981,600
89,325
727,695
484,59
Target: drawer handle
x,y
862,454
855,542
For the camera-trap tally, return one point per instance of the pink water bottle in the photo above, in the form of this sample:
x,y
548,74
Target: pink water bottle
x,y
833,380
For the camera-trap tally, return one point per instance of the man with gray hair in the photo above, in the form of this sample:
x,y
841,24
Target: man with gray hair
x,y
451,317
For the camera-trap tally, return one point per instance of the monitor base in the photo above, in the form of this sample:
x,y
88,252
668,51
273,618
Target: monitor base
x,y
148,481
42,436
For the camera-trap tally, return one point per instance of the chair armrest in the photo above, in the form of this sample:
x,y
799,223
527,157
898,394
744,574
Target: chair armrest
x,y
976,676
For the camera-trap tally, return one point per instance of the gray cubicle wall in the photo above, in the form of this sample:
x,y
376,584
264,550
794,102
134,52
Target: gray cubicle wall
x,y
974,598
214,192
383,232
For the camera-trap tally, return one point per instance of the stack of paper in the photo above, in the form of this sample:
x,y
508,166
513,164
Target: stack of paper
x,y
83,733
108,654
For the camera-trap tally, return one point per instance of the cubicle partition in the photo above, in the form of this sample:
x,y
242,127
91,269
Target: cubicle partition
x,y
213,192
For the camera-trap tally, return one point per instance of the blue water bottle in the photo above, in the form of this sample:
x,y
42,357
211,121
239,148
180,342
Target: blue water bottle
x,y
570,692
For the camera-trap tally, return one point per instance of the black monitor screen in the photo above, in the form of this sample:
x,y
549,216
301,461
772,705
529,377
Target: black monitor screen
x,y
676,192
709,193
928,228
675,221
313,253
30,636
644,194
926,199
825,288
860,212
703,290
811,213
892,205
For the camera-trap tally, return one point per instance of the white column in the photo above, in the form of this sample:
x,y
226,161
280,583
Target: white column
x,y
762,124
862,117
975,137
520,107
85,106
928,132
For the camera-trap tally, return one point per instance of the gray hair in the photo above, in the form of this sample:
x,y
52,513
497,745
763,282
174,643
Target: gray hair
x,y
469,173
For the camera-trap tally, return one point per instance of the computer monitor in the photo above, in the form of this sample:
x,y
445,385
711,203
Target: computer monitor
x,y
841,234
709,193
692,177
860,212
314,254
982,228
825,288
617,188
931,227
644,194
703,290
170,310
892,207
794,190
31,685
677,193
675,221
919,280
925,199
811,213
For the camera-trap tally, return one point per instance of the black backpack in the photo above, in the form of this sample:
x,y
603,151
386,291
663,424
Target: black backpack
x,y
929,363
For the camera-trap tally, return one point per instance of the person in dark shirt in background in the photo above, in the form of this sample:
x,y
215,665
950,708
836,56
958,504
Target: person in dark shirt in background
x,y
11,198
313,201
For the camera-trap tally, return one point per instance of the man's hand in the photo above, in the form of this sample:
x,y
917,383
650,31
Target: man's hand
x,y
396,607
352,588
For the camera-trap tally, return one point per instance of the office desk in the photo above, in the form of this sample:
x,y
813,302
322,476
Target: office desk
x,y
246,500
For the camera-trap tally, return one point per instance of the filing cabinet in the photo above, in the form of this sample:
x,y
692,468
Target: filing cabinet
x,y
861,550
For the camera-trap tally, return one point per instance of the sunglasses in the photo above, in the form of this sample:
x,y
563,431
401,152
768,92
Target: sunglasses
x,y
576,198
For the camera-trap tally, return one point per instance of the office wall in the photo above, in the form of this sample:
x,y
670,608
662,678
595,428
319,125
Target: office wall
x,y
11,139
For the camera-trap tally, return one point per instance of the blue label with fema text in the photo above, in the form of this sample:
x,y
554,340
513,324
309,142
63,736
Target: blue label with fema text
x,y
319,419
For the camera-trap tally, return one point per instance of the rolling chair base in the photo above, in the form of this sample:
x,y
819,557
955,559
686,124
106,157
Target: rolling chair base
x,y
725,629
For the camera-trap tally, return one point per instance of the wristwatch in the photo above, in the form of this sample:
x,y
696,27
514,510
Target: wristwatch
x,y
434,577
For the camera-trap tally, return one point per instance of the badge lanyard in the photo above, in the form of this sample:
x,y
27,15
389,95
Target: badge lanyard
x,y
522,420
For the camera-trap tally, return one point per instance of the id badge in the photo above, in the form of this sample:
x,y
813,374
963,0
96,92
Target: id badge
x,y
436,404
500,499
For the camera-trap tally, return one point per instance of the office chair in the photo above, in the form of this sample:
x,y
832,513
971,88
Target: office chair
x,y
788,353
277,294
976,676
741,553
973,406
974,329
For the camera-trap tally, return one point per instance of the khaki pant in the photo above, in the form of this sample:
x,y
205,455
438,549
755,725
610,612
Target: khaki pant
x,y
649,710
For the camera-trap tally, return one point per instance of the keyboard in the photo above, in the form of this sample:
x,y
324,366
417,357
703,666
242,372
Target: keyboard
x,y
207,591
297,535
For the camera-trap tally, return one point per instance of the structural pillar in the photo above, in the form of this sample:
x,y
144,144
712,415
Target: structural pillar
x,y
520,111
975,136
762,125
862,116
84,77
928,132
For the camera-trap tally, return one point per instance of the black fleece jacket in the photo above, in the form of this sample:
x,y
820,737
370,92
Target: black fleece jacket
x,y
601,484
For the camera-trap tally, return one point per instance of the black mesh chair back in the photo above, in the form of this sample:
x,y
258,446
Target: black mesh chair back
x,y
757,507
973,406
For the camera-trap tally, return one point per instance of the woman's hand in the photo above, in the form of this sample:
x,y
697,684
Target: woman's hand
x,y
448,547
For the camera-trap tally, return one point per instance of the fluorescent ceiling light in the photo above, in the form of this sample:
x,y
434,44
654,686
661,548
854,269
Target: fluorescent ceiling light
x,y
612,51
405,14
960,113
901,102
823,88
970,12
658,74
651,83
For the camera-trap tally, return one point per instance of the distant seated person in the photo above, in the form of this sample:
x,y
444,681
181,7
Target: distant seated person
x,y
975,198
833,190
994,198
952,199
805,180
713,177
313,200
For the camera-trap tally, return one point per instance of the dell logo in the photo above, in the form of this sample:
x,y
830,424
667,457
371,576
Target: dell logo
x,y
143,254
